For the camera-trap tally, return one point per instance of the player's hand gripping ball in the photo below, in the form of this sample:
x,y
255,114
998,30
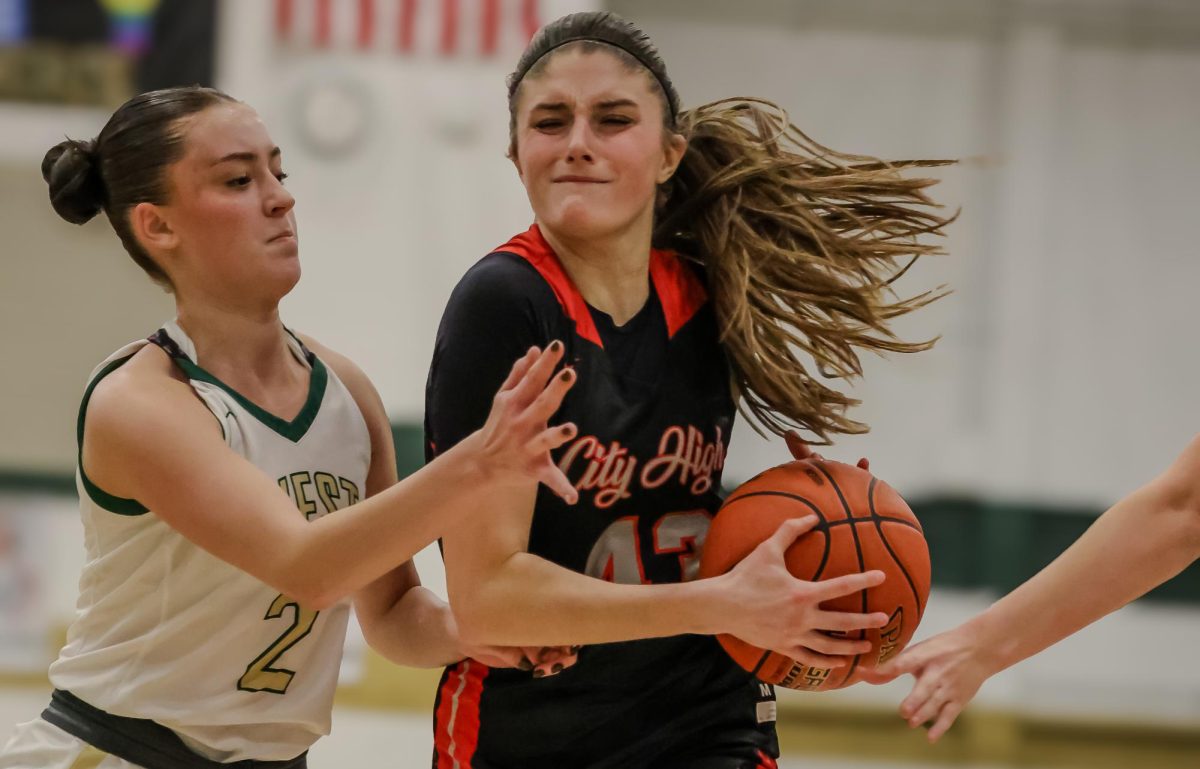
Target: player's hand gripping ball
x,y
864,525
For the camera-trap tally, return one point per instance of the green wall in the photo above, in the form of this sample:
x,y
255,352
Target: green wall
x,y
973,544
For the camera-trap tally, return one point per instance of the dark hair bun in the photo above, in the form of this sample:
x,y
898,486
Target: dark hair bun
x,y
72,171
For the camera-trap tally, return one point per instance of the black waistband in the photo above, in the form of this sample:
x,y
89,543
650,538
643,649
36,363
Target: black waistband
x,y
139,740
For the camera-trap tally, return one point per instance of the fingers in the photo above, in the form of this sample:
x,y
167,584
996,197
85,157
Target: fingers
x,y
551,438
920,695
909,661
875,676
845,621
845,585
834,646
553,660
797,445
535,378
551,398
789,531
801,450
813,659
927,710
519,368
556,480
944,721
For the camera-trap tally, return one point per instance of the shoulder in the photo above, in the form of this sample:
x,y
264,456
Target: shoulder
x,y
143,407
146,386
499,279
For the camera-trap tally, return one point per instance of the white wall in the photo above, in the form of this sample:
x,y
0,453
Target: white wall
x,y
1062,373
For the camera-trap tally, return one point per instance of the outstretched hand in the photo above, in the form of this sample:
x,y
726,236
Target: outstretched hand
x,y
516,440
948,671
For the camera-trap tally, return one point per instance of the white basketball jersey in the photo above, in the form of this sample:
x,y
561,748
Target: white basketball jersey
x,y
166,631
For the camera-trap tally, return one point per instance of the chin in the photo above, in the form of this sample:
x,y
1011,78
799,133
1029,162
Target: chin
x,y
277,283
578,221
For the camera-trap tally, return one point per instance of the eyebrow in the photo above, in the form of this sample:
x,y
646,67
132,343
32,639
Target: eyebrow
x,y
246,156
559,106
617,103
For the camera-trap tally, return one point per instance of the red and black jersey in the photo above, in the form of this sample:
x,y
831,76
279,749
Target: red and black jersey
x,y
653,405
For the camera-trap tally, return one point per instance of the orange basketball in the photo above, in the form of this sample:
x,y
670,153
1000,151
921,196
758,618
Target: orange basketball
x,y
864,525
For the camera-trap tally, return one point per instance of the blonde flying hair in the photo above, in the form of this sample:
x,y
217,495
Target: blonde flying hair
x,y
800,244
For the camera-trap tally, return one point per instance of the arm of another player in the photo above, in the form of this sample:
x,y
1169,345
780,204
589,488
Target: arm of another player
x,y
402,620
1137,544
502,594
148,438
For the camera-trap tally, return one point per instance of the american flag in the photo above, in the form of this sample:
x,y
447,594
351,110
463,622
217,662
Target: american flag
x,y
446,28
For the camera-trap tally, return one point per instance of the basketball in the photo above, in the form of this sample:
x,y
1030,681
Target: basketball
x,y
863,525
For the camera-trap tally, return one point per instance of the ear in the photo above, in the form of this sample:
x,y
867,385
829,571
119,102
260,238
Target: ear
x,y
673,151
152,228
516,161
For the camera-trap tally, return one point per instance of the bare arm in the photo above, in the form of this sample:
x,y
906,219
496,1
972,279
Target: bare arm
x,y
148,438
1139,543
502,594
400,619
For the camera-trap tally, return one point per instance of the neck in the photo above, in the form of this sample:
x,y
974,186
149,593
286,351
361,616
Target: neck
x,y
238,345
612,273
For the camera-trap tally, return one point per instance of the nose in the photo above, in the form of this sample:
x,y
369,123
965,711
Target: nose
x,y
579,142
278,200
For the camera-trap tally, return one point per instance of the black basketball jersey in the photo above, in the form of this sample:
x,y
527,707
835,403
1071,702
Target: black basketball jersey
x,y
653,405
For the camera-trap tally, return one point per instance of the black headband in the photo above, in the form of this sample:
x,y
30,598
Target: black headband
x,y
663,82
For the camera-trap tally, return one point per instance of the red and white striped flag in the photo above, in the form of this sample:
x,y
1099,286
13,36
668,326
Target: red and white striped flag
x,y
447,28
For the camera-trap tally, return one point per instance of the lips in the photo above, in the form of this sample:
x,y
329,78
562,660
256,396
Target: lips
x,y
280,236
579,180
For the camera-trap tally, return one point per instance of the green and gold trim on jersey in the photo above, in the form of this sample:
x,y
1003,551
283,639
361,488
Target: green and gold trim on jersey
x,y
297,427
293,430
102,498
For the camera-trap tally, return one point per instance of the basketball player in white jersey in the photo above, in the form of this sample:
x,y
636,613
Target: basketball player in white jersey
x,y
213,607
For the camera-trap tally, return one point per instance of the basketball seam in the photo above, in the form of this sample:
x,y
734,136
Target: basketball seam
x,y
883,538
761,661
766,655
861,562
823,524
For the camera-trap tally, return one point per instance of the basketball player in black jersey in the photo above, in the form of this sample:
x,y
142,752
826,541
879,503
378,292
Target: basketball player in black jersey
x,y
596,135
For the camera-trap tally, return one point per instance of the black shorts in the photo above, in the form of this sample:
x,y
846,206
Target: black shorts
x,y
719,761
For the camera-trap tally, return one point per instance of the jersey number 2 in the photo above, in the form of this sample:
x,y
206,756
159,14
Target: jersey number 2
x,y
259,675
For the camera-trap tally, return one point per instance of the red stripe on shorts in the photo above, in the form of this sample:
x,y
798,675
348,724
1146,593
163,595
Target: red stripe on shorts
x,y
456,723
